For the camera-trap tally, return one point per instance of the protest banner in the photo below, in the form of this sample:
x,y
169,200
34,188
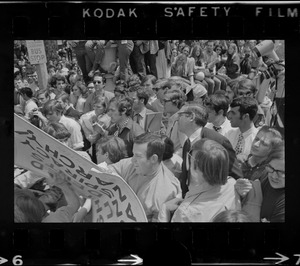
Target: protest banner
x,y
113,199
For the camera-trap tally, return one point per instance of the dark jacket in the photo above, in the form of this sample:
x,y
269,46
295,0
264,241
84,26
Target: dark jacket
x,y
234,168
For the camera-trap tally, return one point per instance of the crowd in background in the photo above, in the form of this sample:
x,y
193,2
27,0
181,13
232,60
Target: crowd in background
x,y
217,156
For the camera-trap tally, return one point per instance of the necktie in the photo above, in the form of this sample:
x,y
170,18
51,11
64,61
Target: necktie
x,y
184,179
217,128
137,118
239,145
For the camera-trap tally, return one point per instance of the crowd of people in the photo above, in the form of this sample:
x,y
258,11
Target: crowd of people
x,y
217,156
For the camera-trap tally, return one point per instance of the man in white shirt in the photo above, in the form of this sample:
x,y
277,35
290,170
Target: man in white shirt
x,y
241,114
217,106
150,179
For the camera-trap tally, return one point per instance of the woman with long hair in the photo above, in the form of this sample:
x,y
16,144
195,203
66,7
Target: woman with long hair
x,y
266,146
232,64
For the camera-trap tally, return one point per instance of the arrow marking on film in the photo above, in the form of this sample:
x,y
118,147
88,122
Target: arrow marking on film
x,y
137,260
282,258
3,260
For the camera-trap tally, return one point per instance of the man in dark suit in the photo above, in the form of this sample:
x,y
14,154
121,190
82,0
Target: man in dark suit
x,y
192,120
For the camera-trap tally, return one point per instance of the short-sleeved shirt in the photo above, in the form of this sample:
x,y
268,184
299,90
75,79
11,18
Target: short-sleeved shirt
x,y
76,139
153,190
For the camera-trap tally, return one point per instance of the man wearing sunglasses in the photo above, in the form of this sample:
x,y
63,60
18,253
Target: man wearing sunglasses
x,y
99,85
192,119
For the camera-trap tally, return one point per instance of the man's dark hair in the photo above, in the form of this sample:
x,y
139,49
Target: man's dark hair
x,y
218,102
169,148
247,84
248,105
141,94
200,111
99,75
27,91
156,144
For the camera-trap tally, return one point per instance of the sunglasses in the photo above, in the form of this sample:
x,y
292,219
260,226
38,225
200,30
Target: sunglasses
x,y
97,82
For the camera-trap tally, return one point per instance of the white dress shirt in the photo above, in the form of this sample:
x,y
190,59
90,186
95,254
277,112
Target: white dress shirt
x,y
225,127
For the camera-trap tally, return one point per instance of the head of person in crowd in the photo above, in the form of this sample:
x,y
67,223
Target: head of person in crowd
x,y
79,89
51,70
231,89
18,83
100,104
133,83
179,66
197,53
59,66
120,109
210,45
58,82
64,99
276,170
58,131
99,82
140,100
90,86
173,102
27,207
191,117
252,44
217,106
247,50
26,93
267,145
232,49
160,90
72,78
111,150
199,93
169,148
53,110
230,216
25,82
148,82
218,49
174,52
246,87
120,88
181,45
148,150
42,97
242,112
241,43
209,163
186,50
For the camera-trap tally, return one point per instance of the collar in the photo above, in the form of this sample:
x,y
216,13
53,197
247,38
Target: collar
x,y
249,131
196,134
143,112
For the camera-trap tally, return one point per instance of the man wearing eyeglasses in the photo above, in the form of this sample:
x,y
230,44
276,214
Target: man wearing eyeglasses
x,y
192,119
99,84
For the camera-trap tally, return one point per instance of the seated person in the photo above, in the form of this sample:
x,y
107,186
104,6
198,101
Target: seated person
x,y
149,178
211,190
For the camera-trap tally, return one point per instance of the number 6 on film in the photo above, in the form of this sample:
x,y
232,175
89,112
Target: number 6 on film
x,y
17,260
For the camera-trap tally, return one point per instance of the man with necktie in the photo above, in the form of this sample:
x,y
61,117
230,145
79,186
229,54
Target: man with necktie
x,y
241,115
191,122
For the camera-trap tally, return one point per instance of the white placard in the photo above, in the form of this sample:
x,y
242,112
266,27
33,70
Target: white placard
x,y
36,52
113,198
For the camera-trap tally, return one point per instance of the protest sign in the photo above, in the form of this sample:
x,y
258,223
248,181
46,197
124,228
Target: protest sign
x,y
114,200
